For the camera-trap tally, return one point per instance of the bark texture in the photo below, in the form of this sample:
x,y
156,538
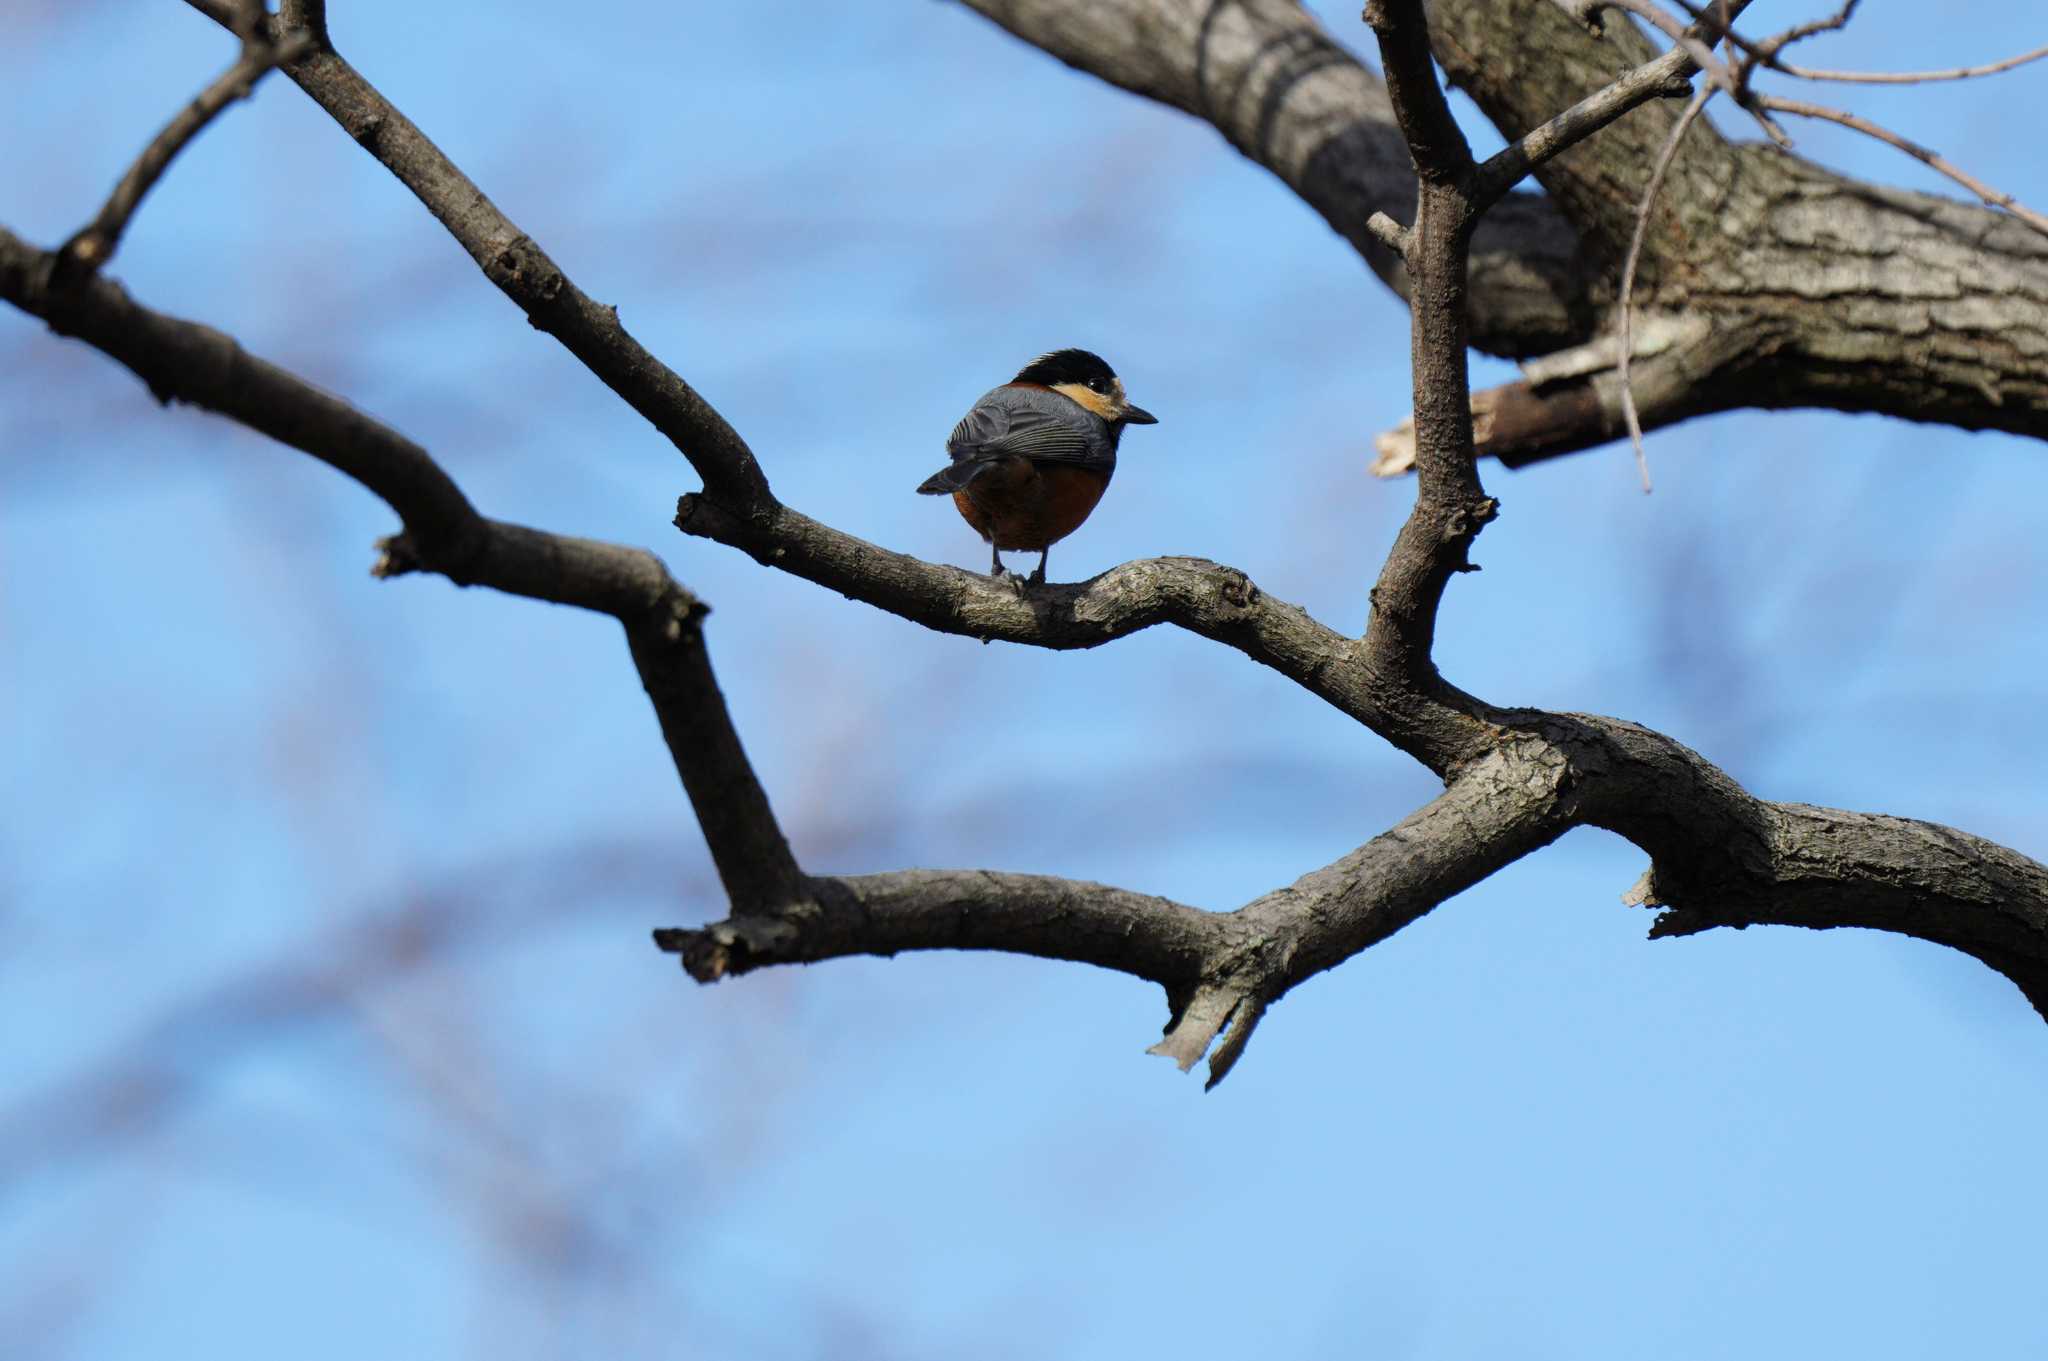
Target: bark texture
x,y
1815,289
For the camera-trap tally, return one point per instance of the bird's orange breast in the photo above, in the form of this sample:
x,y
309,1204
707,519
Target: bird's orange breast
x,y
1021,504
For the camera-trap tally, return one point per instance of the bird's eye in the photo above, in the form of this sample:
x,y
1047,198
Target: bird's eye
x,y
1098,384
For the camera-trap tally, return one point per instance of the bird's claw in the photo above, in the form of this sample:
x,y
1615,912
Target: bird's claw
x,y
1004,576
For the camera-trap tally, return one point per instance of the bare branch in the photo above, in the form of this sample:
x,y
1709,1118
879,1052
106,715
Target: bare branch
x,y
1766,55
229,14
1288,96
1543,272
1990,68
524,273
1424,116
1032,914
1220,970
1704,833
1720,857
1668,75
746,842
1571,400
94,244
1698,46
184,361
1628,276
1950,333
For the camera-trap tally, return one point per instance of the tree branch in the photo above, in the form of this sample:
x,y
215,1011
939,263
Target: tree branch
x,y
1515,779
1852,297
1668,76
523,271
1849,296
94,244
1206,598
1719,856
1220,970
184,361
1279,89
1032,914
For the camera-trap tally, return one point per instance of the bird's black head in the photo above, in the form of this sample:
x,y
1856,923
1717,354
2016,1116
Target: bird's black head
x,y
1068,366
1083,379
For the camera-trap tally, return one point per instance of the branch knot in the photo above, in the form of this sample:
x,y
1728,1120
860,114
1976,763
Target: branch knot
x,y
727,948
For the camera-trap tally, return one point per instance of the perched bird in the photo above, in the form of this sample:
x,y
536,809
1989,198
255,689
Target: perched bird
x,y
1034,456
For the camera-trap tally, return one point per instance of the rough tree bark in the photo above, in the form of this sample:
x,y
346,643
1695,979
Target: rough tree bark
x,y
1781,284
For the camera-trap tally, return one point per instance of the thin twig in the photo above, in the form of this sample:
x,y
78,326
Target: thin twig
x,y
1728,78
95,243
226,13
1505,168
1990,68
1997,198
1765,54
1628,272
1799,33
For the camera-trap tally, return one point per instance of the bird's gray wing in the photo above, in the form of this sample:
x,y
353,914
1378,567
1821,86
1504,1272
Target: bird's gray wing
x,y
1029,424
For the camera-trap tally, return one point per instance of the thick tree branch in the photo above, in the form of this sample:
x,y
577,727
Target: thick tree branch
x,y
1221,971
1719,855
1850,296
1571,400
1202,597
1280,90
1847,295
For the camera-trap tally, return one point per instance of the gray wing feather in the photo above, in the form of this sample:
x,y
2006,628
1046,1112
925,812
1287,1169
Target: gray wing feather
x,y
1040,426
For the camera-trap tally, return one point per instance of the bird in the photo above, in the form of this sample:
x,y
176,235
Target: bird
x,y
1032,457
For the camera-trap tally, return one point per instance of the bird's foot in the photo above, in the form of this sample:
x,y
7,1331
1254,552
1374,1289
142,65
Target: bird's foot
x,y
1003,576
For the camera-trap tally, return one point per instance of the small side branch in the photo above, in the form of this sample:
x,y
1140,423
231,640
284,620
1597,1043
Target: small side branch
x,y
94,244
1667,76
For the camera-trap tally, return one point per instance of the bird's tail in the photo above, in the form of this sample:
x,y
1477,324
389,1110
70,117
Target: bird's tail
x,y
950,479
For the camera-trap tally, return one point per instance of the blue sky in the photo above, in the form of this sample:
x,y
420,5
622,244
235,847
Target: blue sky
x,y
332,1025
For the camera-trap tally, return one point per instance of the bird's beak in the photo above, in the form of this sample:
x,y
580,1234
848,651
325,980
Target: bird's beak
x,y
1138,415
